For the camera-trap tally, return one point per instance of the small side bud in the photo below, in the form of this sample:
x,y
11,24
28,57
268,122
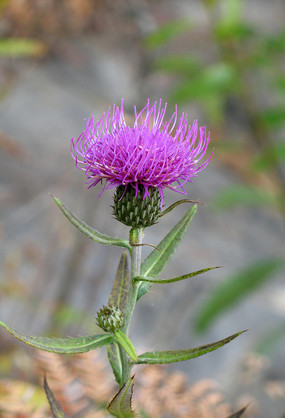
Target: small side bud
x,y
134,210
109,318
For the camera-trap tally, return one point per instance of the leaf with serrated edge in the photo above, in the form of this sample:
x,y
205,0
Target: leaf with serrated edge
x,y
88,231
121,405
126,343
120,290
175,279
238,413
164,357
62,345
55,407
157,260
115,360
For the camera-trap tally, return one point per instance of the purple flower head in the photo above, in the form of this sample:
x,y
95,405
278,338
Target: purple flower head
x,y
150,153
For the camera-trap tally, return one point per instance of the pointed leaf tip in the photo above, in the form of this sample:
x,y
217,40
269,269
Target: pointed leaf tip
x,y
239,413
55,407
62,345
166,357
88,230
121,405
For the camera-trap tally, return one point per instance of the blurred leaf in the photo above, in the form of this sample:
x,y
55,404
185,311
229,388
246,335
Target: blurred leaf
x,y
166,33
88,231
237,195
270,340
127,345
55,407
115,359
179,64
120,290
238,413
121,405
175,279
156,261
269,157
215,80
274,117
21,48
62,345
164,357
276,43
227,293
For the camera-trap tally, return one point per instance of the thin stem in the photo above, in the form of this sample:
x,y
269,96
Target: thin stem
x,y
136,236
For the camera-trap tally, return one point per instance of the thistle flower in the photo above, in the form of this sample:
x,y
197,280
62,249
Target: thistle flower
x,y
149,154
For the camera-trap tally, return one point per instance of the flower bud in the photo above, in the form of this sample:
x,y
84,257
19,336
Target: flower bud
x,y
134,208
109,318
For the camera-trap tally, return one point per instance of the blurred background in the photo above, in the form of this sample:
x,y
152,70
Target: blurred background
x,y
221,61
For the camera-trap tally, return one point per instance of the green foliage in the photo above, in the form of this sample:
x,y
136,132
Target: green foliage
x,y
165,357
166,33
126,344
116,361
270,340
267,158
157,260
55,407
16,47
175,279
227,293
88,231
121,405
62,345
242,195
119,295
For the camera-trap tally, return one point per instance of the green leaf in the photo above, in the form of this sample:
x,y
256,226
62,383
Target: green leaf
x,y
62,345
235,288
274,117
270,156
120,290
165,357
157,260
239,195
16,47
88,231
126,343
166,33
174,205
175,279
270,340
55,407
238,414
179,64
121,405
115,359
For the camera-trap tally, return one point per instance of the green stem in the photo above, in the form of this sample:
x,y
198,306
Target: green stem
x,y
136,236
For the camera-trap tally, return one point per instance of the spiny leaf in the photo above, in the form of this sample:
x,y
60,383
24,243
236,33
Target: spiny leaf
x,y
175,279
121,405
238,413
234,288
115,359
164,357
62,345
120,291
157,260
55,407
126,343
88,231
179,202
